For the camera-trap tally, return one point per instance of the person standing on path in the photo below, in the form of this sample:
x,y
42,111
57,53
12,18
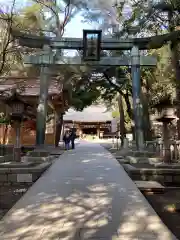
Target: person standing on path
x,y
66,140
72,138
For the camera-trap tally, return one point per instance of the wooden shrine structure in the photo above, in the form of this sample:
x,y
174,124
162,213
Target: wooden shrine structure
x,y
98,129
27,91
94,120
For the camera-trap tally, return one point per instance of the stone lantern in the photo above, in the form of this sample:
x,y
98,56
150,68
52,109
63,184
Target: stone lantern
x,y
17,108
166,116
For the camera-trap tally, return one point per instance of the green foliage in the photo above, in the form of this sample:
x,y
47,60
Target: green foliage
x,y
31,19
115,114
160,81
4,119
28,19
84,96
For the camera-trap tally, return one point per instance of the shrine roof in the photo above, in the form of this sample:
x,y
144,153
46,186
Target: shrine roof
x,y
90,114
29,87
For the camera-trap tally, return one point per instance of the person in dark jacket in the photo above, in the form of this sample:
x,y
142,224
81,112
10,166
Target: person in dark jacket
x,y
66,140
72,138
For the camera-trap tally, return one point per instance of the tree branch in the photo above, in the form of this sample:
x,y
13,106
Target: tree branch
x,y
125,95
7,37
68,11
53,7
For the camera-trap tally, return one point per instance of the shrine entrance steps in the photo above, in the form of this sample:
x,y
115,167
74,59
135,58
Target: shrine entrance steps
x,y
85,194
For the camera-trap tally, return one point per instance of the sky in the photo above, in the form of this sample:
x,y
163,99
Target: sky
x,y
75,27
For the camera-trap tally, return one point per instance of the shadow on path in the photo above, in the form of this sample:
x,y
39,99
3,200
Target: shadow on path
x,y
84,195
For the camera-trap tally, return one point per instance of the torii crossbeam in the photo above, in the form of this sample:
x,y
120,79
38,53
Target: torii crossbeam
x,y
147,61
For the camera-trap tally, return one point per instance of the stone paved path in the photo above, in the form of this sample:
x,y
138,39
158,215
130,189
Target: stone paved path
x,y
84,195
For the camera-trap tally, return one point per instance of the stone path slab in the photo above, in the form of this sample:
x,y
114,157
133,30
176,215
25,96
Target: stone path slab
x,y
85,194
148,184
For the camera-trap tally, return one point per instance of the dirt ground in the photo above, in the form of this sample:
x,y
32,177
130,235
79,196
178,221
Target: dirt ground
x,y
8,197
160,202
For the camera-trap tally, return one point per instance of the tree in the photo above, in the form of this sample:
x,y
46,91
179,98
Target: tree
x,y
11,21
84,97
166,14
6,40
116,112
146,20
53,23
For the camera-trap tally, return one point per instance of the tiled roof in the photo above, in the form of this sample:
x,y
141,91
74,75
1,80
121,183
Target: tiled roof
x,y
30,87
90,114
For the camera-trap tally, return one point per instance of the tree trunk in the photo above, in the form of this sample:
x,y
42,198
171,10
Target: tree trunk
x,y
128,104
59,123
122,120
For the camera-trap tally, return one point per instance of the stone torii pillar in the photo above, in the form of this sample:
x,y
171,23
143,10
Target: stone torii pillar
x,y
137,103
45,60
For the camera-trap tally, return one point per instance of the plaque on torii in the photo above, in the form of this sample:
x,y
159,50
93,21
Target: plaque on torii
x,y
92,44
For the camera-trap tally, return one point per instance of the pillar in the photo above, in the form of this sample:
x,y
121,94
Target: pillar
x,y
98,131
79,132
17,146
62,132
137,104
122,120
166,143
43,98
58,126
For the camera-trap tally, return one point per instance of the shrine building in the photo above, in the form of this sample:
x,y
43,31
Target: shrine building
x,y
94,120
27,92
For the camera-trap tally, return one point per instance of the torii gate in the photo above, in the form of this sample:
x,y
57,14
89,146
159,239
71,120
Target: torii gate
x,y
48,58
